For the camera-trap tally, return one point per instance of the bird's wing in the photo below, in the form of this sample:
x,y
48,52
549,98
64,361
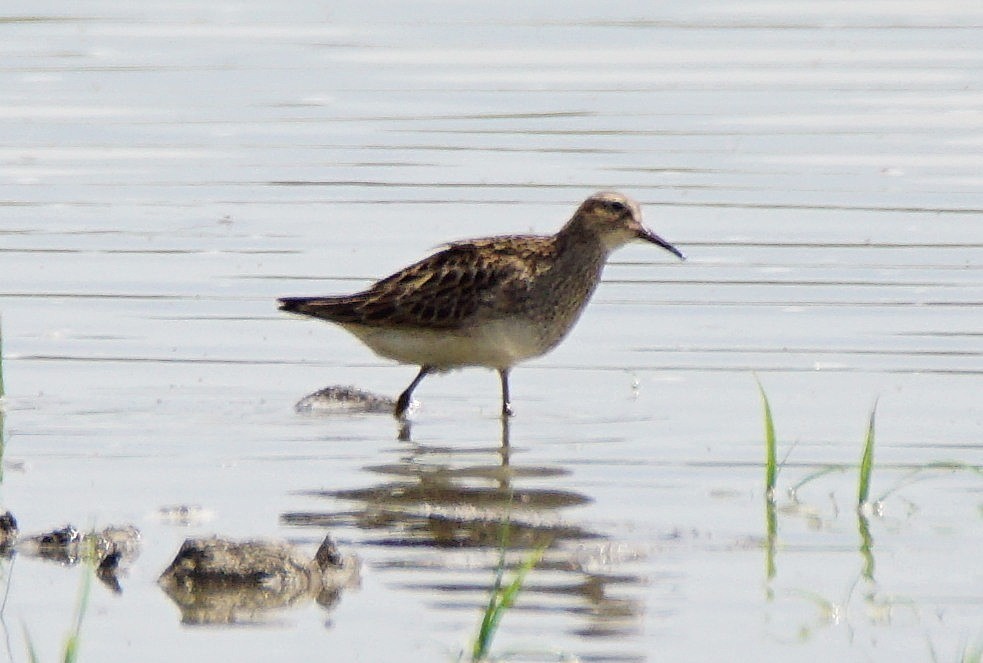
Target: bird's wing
x,y
442,291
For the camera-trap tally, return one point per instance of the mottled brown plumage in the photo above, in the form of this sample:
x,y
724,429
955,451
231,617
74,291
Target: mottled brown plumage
x,y
444,290
487,302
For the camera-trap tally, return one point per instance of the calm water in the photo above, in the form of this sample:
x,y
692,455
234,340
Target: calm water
x,y
169,169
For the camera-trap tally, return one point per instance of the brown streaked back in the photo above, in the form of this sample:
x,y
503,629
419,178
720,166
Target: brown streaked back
x,y
445,290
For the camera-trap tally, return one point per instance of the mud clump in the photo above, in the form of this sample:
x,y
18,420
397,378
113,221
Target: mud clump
x,y
345,400
221,581
110,550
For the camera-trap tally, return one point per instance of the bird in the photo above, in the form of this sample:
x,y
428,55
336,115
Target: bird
x,y
492,302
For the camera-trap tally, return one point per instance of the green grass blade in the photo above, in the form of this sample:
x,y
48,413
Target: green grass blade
x,y
488,622
74,638
867,461
32,653
921,474
771,446
3,439
501,600
817,474
71,649
2,390
972,653
3,422
510,593
771,477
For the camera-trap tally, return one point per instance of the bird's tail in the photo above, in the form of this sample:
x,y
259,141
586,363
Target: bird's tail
x,y
335,309
294,304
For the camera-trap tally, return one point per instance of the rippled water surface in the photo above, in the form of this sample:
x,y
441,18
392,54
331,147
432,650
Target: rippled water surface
x,y
169,169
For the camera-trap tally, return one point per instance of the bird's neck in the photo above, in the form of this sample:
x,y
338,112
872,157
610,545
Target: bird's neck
x,y
578,264
581,248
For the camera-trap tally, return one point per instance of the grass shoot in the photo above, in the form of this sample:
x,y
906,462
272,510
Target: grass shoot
x,y
74,637
502,596
771,447
867,462
2,390
972,653
921,473
72,641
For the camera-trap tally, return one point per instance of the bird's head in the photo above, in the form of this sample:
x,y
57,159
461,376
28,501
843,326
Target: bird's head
x,y
615,220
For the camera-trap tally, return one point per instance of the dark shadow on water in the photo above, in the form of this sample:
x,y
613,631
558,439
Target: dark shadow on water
x,y
454,499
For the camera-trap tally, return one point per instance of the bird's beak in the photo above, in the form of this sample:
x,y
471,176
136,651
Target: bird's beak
x,y
647,235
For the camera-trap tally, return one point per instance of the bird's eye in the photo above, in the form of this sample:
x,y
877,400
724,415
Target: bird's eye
x,y
615,206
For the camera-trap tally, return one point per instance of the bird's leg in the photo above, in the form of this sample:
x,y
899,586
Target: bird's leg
x,y
403,402
503,373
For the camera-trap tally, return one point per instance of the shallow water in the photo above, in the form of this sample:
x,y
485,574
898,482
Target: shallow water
x,y
169,169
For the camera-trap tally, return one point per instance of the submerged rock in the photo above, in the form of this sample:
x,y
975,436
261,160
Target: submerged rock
x,y
60,545
340,399
110,550
70,545
218,581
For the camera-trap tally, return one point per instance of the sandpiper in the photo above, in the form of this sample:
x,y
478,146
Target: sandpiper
x,y
490,302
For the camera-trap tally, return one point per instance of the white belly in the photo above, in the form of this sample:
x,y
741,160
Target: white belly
x,y
498,344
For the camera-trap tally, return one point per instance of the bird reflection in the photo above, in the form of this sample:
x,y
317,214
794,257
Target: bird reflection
x,y
453,499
